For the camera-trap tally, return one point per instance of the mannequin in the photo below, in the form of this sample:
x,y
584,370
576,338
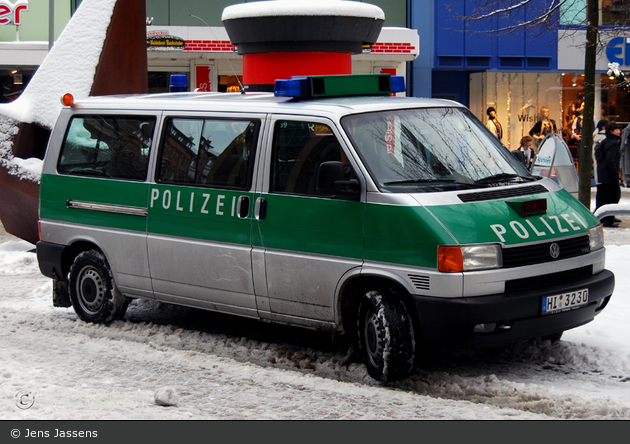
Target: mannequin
x,y
493,124
543,127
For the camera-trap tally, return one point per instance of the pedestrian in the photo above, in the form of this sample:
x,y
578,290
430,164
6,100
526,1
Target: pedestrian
x,y
608,156
493,124
528,152
543,127
600,134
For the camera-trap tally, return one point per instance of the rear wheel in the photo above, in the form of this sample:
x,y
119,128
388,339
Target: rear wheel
x,y
386,337
93,294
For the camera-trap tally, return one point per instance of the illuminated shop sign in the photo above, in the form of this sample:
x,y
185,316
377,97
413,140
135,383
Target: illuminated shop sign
x,y
618,50
162,41
11,12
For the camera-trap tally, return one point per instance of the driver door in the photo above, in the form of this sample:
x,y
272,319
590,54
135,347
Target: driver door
x,y
307,238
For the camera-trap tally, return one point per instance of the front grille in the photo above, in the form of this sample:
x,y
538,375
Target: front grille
x,y
547,280
502,193
540,253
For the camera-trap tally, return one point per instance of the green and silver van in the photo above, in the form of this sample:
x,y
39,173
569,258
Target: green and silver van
x,y
399,220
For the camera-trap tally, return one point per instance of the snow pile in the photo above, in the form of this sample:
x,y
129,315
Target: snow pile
x,y
29,169
166,397
303,8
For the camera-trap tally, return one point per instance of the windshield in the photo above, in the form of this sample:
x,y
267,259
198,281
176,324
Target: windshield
x,y
431,149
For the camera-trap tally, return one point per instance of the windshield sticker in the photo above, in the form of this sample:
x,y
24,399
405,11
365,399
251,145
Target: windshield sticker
x,y
541,227
392,138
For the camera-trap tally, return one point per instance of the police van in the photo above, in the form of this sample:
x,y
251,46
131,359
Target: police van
x,y
330,204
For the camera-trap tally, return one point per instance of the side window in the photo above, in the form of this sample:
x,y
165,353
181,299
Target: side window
x,y
299,148
107,146
214,152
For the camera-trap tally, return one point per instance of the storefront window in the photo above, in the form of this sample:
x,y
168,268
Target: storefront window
x,y
230,83
615,101
614,104
615,13
573,12
13,82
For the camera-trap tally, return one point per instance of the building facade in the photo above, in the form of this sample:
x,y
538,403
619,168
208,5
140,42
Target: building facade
x,y
184,37
519,72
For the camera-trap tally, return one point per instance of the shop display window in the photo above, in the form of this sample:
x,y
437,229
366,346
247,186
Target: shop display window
x,y
13,82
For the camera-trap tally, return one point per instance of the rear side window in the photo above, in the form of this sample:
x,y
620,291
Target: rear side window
x,y
213,152
107,146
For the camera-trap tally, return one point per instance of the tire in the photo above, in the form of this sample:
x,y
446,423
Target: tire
x,y
93,294
386,337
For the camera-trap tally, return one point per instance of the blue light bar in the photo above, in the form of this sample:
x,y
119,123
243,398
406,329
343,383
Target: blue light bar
x,y
398,84
293,87
307,87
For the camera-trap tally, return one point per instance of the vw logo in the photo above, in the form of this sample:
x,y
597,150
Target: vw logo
x,y
554,250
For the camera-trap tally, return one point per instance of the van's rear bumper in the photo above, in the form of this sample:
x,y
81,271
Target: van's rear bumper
x,y
49,257
450,322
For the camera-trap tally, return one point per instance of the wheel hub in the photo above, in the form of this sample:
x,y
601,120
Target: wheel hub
x,y
91,290
372,339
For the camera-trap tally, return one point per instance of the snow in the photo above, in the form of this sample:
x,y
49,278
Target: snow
x,y
302,8
163,362
29,169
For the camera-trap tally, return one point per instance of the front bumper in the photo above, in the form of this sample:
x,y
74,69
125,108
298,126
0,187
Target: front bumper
x,y
450,322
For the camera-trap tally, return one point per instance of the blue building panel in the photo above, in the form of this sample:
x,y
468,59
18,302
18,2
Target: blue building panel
x,y
461,44
479,40
511,41
541,43
449,41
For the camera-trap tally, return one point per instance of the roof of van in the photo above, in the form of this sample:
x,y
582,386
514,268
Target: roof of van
x,y
256,102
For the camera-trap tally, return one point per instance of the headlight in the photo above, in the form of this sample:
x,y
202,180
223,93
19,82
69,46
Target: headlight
x,y
454,259
596,237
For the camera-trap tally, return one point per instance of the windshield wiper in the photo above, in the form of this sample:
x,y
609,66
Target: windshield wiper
x,y
501,177
418,181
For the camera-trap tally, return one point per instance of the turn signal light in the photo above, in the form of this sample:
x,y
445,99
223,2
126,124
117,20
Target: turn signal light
x,y
450,259
67,99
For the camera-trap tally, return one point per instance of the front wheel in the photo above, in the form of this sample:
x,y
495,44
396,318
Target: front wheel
x,y
93,294
386,337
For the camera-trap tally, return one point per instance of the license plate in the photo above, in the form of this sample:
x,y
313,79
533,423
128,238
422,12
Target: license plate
x,y
564,302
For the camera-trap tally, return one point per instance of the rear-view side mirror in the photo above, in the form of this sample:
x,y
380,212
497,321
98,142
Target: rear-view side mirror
x,y
331,179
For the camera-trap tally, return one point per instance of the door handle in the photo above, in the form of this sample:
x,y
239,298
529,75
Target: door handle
x,y
260,210
242,208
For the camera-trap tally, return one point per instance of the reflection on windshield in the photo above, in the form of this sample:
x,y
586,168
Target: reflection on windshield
x,y
431,149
